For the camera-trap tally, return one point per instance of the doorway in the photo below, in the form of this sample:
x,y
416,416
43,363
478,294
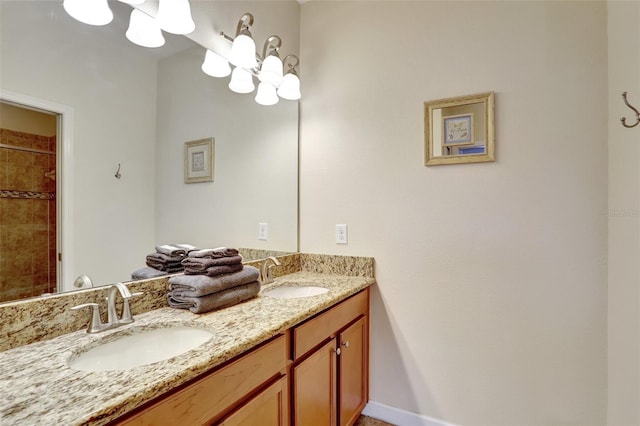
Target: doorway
x,y
28,201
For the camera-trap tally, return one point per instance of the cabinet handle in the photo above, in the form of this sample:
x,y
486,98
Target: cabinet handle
x,y
337,351
345,344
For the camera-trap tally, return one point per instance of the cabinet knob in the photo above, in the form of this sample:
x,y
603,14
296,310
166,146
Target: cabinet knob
x,y
337,351
345,344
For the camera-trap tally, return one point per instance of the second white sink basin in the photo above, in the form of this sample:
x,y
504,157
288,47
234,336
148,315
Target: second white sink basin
x,y
141,348
294,292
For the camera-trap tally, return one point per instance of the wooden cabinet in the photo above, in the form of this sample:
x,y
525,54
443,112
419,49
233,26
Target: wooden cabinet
x,y
269,407
316,374
330,370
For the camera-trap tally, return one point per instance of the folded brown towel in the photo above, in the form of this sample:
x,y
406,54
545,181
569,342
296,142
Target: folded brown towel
x,y
218,300
214,253
214,271
171,250
201,285
147,272
165,258
201,264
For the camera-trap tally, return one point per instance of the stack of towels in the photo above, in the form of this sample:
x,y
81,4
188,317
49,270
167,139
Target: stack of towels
x,y
213,279
166,260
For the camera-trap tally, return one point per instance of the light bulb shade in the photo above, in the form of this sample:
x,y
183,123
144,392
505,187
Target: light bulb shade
x,y
174,16
271,70
243,52
266,94
92,12
290,87
241,81
215,65
144,30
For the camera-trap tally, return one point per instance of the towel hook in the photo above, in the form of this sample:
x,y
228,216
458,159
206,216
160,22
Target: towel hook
x,y
623,120
118,175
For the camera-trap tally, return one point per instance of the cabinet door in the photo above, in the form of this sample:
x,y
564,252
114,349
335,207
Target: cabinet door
x,y
353,371
314,388
268,408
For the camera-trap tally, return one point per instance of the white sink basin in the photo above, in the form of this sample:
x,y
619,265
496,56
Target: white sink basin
x,y
141,348
295,292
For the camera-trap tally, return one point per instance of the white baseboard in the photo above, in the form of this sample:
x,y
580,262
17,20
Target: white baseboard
x,y
400,417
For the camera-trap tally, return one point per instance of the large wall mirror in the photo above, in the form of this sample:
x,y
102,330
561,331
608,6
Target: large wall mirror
x,y
459,130
133,109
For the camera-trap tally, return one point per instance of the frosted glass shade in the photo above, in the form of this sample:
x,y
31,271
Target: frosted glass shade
x,y
266,94
271,70
174,16
241,81
132,2
290,87
92,12
243,52
144,30
215,65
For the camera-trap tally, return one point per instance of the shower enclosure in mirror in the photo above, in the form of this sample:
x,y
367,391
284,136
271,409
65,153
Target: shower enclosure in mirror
x,y
459,130
131,109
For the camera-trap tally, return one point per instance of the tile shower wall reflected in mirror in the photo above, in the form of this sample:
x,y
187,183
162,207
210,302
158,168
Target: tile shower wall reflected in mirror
x,y
27,202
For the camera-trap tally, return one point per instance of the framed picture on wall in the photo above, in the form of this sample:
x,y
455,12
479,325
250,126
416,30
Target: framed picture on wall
x,y
199,161
458,129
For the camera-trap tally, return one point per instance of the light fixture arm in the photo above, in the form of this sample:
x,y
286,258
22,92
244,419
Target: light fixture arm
x,y
244,23
271,46
292,61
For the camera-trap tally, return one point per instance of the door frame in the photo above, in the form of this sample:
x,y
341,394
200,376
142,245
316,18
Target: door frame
x,y
64,180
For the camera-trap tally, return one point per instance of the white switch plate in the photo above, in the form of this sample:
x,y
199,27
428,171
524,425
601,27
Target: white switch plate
x,y
263,231
341,234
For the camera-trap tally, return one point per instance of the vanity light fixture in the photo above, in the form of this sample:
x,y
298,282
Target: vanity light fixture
x,y
174,16
144,30
215,65
290,87
92,12
274,83
243,48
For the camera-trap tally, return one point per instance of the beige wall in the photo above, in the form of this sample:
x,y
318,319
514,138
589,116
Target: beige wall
x,y
491,299
624,214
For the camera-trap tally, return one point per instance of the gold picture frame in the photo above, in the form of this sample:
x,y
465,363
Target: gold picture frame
x,y
199,160
473,138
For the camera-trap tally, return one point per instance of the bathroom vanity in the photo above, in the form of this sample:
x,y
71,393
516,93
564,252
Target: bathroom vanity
x,y
281,361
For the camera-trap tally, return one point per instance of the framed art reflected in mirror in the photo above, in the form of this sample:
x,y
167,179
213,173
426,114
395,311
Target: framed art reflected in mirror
x,y
459,130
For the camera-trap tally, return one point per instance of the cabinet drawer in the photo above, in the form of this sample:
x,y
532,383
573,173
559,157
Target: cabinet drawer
x,y
314,331
207,398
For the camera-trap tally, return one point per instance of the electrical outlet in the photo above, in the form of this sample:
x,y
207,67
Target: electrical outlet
x,y
263,231
341,234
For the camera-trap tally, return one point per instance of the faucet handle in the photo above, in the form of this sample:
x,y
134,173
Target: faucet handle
x,y
126,317
95,325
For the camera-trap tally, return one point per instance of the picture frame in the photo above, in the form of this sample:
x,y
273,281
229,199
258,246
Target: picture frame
x,y
476,111
199,160
458,130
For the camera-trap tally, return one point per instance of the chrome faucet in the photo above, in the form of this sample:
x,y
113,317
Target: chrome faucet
x,y
96,325
265,272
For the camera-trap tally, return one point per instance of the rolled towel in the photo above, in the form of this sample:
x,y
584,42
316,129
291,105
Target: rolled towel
x,y
147,272
171,250
201,285
201,264
214,271
214,253
218,300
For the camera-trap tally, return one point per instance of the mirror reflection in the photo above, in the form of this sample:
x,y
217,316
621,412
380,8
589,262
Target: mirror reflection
x,y
459,130
133,109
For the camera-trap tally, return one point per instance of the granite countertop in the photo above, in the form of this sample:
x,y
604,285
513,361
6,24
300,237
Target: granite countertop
x,y
39,388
